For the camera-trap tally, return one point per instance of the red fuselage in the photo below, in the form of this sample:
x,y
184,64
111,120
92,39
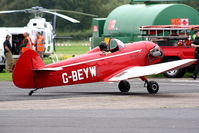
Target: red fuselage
x,y
95,66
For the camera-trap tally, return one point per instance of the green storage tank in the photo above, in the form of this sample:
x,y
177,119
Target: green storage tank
x,y
124,21
98,30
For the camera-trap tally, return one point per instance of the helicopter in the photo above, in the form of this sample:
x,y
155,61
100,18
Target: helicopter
x,y
36,24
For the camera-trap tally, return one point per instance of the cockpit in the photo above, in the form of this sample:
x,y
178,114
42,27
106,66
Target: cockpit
x,y
114,45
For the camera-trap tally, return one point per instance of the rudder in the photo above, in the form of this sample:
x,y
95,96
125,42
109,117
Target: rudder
x,y
23,75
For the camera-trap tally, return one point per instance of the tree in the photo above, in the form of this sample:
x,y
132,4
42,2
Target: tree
x,y
193,3
101,8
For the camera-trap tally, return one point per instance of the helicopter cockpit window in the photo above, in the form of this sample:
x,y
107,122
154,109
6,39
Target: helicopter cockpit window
x,y
48,38
45,25
115,45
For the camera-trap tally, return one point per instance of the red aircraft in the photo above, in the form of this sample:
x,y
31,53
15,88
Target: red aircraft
x,y
133,60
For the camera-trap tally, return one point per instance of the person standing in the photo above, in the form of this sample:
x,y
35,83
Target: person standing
x,y
195,44
8,54
39,44
27,43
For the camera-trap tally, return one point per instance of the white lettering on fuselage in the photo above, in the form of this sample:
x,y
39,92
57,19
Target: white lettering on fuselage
x,y
65,80
93,71
79,74
86,71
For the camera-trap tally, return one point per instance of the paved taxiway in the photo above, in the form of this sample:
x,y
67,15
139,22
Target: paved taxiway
x,y
99,107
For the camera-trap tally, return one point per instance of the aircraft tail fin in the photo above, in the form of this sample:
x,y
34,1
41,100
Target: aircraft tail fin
x,y
23,75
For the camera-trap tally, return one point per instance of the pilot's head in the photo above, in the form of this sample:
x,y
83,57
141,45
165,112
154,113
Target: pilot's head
x,y
103,46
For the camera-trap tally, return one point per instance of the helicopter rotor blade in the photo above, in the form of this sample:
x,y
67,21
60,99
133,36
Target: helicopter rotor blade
x,y
74,12
63,16
12,11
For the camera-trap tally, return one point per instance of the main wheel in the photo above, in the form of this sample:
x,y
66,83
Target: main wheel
x,y
124,86
152,87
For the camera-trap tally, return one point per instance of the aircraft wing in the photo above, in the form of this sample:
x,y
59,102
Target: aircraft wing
x,y
140,71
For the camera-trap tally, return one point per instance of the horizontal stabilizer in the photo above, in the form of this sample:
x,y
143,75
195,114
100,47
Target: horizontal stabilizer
x,y
140,71
49,69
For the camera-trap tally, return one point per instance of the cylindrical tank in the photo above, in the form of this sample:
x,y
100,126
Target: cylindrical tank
x,y
124,21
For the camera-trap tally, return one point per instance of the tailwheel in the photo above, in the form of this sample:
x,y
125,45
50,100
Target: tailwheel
x,y
33,91
124,86
152,87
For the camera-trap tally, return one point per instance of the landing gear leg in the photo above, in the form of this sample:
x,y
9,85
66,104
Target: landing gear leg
x,y
152,86
32,91
145,81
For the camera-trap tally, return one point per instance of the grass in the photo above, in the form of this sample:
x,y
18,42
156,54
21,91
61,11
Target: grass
x,y
5,76
74,48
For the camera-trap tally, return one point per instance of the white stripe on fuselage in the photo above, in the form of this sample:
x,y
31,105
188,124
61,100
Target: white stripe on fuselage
x,y
102,58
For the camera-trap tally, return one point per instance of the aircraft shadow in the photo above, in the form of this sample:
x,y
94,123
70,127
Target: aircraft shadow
x,y
141,94
59,95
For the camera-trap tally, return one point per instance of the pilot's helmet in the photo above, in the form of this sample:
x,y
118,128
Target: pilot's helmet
x,y
103,46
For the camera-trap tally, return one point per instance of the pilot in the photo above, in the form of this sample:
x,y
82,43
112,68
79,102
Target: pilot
x,y
104,48
195,44
26,43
